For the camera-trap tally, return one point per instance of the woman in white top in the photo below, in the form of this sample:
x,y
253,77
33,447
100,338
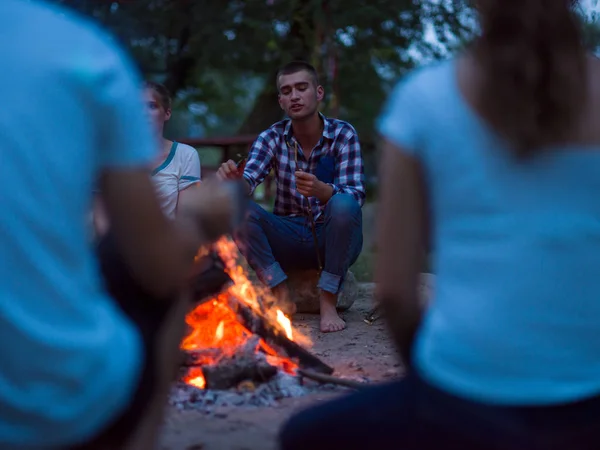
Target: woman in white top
x,y
177,166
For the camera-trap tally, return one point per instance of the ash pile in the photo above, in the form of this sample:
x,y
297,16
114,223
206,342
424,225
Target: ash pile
x,y
246,394
245,378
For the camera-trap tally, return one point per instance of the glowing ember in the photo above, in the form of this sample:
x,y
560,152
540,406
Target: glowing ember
x,y
214,325
195,378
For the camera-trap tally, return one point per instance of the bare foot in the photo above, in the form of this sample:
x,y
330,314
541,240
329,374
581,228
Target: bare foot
x,y
330,320
284,302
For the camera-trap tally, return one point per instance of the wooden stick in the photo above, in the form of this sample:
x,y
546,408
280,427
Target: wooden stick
x,y
371,316
328,379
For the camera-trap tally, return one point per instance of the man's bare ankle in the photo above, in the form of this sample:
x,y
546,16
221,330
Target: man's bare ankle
x,y
330,319
328,298
281,291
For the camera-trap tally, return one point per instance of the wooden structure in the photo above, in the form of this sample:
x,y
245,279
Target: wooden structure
x,y
229,146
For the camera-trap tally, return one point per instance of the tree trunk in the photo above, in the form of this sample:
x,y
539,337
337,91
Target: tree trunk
x,y
265,111
180,64
298,45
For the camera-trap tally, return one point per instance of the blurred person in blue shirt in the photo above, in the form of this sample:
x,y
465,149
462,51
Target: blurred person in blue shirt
x,y
79,367
492,160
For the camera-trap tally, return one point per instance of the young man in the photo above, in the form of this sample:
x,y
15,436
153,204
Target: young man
x,y
318,165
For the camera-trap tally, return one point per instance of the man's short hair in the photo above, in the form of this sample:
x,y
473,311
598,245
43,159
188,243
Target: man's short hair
x,y
298,66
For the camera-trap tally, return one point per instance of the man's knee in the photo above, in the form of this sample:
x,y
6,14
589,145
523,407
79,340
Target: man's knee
x,y
344,208
251,226
254,216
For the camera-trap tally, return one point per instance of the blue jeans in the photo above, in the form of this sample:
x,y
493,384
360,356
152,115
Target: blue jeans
x,y
412,415
276,244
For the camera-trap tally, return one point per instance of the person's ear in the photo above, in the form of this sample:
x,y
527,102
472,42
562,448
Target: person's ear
x,y
320,93
168,114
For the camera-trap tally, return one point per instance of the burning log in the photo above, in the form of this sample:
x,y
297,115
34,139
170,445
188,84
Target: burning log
x,y
259,326
223,371
232,371
194,358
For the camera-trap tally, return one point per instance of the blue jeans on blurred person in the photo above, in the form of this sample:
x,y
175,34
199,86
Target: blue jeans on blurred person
x,y
410,414
274,245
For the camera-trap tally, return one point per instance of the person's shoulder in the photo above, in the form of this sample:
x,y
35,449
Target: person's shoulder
x,y
57,27
336,128
425,81
68,46
278,128
272,134
412,105
186,150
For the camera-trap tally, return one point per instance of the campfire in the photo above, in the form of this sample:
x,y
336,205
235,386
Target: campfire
x,y
239,336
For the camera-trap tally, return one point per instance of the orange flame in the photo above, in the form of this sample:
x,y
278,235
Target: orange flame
x,y
196,378
214,325
286,324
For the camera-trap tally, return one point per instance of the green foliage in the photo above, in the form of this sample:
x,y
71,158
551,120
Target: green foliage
x,y
216,55
364,267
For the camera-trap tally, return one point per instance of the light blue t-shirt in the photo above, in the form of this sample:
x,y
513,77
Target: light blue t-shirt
x,y
515,317
72,106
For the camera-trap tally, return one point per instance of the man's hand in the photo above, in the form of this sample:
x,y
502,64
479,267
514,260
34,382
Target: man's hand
x,y
310,186
229,171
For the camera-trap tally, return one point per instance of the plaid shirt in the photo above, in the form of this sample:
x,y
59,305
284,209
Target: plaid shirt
x,y
274,149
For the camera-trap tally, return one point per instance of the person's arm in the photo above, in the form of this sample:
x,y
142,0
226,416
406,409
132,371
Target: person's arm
x,y
402,229
189,178
158,250
256,166
349,169
260,160
99,216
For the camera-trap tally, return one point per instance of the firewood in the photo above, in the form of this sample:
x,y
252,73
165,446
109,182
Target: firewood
x,y
229,372
328,379
258,325
191,358
372,315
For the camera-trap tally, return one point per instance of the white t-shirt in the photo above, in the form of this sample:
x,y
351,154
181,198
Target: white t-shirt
x,y
178,171
70,360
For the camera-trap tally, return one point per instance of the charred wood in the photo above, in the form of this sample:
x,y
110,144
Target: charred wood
x,y
229,372
258,325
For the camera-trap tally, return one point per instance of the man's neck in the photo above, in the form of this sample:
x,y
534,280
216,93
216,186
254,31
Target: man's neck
x,y
308,130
